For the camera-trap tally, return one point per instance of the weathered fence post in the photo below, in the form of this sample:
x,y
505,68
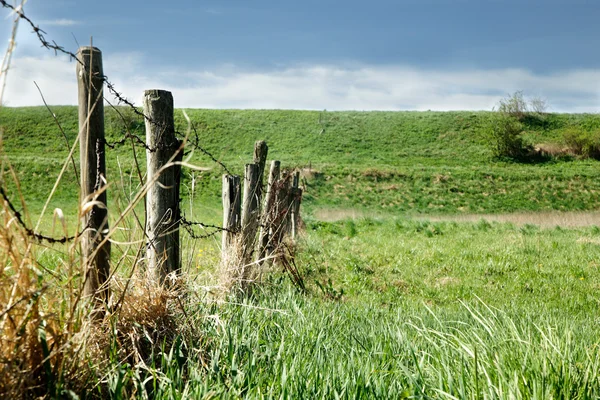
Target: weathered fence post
x,y
268,213
260,157
96,260
250,219
296,197
281,201
232,208
162,199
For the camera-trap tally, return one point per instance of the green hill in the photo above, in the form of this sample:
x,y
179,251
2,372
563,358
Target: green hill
x,y
415,162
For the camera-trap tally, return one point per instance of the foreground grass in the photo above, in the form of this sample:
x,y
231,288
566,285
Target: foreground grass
x,y
414,309
287,345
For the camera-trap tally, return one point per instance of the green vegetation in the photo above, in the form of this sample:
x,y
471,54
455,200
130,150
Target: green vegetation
x,y
417,162
406,309
397,305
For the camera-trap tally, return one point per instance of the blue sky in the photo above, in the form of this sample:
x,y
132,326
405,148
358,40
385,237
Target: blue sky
x,y
377,54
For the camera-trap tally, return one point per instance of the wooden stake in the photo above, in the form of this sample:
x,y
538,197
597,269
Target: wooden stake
x,y
250,218
268,213
260,157
162,199
96,260
232,208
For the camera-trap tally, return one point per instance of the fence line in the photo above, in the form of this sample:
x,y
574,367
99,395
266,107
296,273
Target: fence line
x,y
162,214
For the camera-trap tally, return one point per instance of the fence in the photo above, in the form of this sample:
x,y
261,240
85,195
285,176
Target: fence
x,y
256,221
254,229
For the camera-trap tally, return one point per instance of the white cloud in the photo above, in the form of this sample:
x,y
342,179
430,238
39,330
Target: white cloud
x,y
59,22
368,87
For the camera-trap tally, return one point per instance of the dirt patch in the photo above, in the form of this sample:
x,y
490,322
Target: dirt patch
x,y
330,215
545,219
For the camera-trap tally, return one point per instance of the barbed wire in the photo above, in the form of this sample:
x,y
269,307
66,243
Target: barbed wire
x,y
195,143
121,99
187,225
30,232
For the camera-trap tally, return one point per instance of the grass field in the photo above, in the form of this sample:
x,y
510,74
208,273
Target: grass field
x,y
413,291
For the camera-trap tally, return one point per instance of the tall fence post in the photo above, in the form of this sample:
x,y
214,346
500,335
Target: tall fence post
x,y
250,219
162,199
232,208
96,259
268,213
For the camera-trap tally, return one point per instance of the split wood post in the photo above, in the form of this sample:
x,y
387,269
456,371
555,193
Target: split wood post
x,y
250,219
297,199
268,213
96,259
293,204
260,157
162,199
232,208
281,212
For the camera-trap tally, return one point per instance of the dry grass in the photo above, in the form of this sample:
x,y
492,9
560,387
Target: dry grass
x,y
50,344
51,341
546,219
554,150
41,330
333,215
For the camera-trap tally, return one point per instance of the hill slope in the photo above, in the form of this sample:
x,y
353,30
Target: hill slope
x,y
418,162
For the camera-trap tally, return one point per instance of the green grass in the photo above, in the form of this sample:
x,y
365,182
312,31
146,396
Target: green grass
x,y
404,308
396,306
418,162
287,345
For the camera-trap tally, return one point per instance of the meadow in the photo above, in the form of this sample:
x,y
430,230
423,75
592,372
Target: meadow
x,y
404,298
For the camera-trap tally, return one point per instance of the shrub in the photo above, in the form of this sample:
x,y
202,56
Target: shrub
x,y
506,136
582,142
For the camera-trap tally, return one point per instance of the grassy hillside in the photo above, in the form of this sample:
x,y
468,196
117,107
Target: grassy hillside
x,y
416,162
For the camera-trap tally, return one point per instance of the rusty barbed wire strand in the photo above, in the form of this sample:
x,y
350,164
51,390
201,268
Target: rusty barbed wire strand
x,y
188,226
30,232
196,144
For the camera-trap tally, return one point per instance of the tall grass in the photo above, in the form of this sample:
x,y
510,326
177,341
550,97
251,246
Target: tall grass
x,y
285,345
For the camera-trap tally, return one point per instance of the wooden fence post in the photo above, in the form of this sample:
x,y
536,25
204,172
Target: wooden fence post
x,y
250,219
260,157
232,208
296,196
162,199
96,260
281,202
268,211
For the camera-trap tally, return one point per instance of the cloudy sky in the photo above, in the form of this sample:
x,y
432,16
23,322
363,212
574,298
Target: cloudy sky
x,y
319,54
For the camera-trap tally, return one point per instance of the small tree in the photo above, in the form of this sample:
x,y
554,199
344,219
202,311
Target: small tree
x,y
518,106
514,105
506,136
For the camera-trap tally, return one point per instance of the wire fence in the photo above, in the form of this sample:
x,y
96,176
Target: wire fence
x,y
280,216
